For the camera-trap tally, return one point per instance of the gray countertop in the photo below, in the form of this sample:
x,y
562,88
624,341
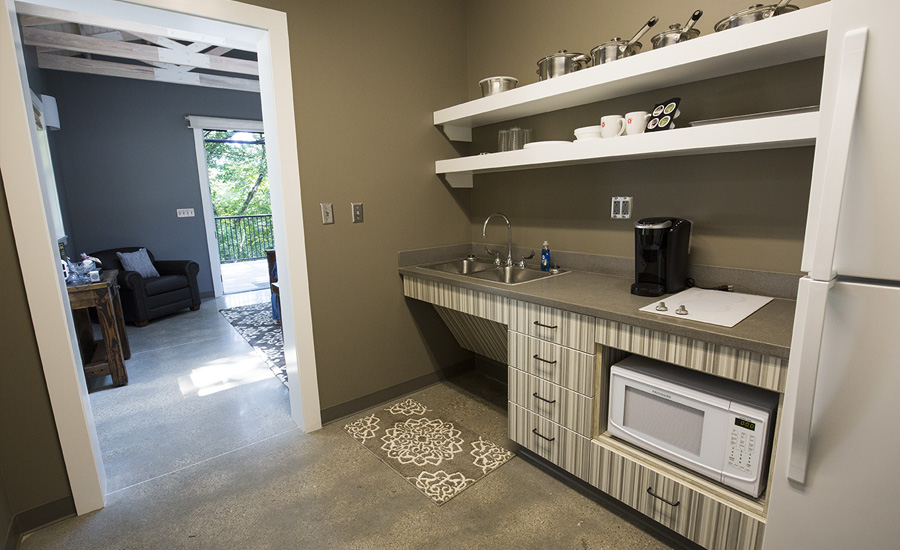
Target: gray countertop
x,y
767,331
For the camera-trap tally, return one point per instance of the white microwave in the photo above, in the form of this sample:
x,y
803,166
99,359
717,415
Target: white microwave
x,y
718,428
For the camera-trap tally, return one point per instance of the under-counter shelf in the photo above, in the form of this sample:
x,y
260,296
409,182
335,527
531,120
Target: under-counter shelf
x,y
745,135
784,39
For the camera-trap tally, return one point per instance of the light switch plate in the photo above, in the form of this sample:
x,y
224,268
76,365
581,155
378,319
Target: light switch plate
x,y
357,210
184,212
327,213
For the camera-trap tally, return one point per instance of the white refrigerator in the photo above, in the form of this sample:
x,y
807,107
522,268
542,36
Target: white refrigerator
x,y
836,472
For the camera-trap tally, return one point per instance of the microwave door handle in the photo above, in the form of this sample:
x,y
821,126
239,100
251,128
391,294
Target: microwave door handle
x,y
803,367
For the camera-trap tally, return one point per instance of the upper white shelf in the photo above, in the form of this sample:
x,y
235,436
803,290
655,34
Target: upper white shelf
x,y
744,135
791,37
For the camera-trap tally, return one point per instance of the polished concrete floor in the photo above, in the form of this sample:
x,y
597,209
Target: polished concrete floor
x,y
199,458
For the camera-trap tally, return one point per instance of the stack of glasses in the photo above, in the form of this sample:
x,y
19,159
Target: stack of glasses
x,y
513,138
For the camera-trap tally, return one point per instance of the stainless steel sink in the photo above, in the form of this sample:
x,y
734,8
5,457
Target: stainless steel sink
x,y
489,271
513,275
462,267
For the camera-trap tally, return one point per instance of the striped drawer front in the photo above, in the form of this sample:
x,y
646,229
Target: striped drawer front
x,y
563,366
704,520
473,302
555,325
551,441
570,409
764,371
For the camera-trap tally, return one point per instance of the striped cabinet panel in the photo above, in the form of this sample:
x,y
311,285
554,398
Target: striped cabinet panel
x,y
755,369
563,366
567,408
555,325
473,302
704,520
551,441
484,337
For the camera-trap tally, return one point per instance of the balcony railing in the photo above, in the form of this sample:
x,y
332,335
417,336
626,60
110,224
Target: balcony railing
x,y
244,238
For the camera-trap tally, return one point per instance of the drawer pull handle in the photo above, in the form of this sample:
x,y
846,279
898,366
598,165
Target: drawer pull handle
x,y
542,399
669,502
537,324
535,432
539,358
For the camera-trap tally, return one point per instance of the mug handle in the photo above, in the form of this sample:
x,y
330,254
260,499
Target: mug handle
x,y
621,126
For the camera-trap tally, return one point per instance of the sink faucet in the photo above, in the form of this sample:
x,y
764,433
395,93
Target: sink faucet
x,y
509,260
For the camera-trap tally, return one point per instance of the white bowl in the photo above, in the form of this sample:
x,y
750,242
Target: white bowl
x,y
588,130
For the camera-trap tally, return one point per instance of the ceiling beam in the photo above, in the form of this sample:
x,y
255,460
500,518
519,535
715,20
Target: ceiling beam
x,y
34,20
106,68
150,54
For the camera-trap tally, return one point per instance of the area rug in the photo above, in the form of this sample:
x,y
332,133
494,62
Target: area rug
x,y
255,324
438,457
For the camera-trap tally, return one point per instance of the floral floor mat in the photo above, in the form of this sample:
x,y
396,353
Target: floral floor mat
x,y
440,458
255,324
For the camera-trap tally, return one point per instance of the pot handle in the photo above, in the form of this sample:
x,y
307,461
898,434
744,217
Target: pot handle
x,y
582,61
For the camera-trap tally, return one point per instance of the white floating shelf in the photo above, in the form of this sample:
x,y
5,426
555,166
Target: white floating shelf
x,y
791,37
746,135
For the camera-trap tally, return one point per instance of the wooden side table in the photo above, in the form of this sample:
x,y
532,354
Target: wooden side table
x,y
106,356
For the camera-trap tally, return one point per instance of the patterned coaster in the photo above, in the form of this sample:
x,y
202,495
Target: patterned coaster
x,y
255,324
437,457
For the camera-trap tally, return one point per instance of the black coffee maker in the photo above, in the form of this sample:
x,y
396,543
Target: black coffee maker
x,y
661,248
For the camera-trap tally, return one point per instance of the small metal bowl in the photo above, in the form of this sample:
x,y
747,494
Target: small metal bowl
x,y
497,84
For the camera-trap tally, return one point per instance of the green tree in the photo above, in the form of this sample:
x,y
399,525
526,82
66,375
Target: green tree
x,y
239,186
238,174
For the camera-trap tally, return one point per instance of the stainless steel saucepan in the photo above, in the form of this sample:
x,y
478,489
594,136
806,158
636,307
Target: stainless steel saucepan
x,y
677,33
561,63
618,48
754,13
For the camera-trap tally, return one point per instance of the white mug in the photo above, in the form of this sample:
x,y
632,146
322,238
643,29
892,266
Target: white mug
x,y
612,126
636,122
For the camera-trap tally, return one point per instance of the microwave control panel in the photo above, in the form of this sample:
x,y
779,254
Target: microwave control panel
x,y
743,450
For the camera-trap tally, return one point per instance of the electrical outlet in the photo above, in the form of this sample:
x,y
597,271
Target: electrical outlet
x,y
184,212
621,208
357,210
327,213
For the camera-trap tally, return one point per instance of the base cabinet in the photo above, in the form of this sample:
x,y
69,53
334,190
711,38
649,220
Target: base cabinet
x,y
702,519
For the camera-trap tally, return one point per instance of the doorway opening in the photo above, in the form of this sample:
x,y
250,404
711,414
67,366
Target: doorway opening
x,y
241,205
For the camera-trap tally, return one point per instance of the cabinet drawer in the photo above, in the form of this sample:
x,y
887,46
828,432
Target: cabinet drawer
x,y
551,441
702,519
565,407
555,325
563,366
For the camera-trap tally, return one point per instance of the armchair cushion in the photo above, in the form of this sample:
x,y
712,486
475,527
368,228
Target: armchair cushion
x,y
161,285
138,261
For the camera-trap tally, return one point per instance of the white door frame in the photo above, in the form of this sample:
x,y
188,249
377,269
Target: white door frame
x,y
266,30
198,124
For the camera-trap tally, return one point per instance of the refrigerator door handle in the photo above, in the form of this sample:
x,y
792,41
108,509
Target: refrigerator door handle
x,y
803,367
831,188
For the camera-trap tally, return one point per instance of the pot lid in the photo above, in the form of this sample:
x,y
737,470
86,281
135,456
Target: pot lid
x,y
757,9
674,28
562,53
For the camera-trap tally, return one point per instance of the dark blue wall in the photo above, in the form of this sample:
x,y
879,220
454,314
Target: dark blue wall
x,y
126,161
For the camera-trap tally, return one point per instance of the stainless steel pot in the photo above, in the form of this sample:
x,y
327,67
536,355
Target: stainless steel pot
x,y
754,13
618,48
677,33
497,84
561,63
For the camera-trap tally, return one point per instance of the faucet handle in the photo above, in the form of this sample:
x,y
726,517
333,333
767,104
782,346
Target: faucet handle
x,y
493,253
522,261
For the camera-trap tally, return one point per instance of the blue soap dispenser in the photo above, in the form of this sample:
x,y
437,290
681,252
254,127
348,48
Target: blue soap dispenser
x,y
545,257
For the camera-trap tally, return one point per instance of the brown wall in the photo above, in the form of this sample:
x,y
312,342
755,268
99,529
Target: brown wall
x,y
749,209
31,462
367,78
